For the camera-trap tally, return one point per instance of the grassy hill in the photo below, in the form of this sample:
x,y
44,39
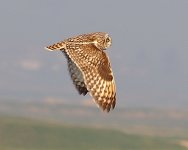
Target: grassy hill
x,y
142,121
18,133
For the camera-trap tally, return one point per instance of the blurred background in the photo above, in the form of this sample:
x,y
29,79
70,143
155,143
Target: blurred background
x,y
39,106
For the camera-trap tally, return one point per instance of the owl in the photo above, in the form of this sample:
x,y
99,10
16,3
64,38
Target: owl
x,y
89,66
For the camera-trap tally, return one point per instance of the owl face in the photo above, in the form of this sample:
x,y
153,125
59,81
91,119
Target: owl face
x,y
108,41
102,41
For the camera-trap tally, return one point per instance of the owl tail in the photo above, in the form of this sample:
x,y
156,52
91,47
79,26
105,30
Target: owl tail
x,y
57,46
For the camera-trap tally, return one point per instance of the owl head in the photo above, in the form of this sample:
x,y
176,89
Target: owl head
x,y
101,40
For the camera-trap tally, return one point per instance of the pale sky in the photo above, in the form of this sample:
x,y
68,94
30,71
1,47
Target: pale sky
x,y
149,54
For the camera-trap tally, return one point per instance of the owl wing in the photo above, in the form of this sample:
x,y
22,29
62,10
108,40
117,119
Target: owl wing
x,y
97,73
76,76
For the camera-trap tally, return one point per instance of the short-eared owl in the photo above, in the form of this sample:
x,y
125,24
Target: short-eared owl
x,y
89,66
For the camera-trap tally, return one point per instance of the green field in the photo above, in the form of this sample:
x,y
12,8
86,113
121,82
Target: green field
x,y
18,133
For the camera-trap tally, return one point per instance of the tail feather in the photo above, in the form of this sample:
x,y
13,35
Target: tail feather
x,y
57,46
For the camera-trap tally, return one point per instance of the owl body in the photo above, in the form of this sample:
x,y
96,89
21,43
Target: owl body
x,y
89,66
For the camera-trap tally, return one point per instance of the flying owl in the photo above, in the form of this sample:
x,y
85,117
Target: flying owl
x,y
89,66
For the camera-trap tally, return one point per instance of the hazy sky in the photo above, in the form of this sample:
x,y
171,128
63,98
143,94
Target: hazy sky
x,y
149,54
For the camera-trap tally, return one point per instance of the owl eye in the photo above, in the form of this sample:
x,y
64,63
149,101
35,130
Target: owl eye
x,y
107,39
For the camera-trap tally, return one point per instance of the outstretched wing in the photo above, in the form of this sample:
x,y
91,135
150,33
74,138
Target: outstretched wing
x,y
76,76
97,73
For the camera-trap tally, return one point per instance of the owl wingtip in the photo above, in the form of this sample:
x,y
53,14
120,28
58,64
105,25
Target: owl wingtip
x,y
106,109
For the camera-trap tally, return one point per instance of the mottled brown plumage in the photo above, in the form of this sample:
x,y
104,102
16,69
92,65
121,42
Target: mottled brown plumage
x,y
89,66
